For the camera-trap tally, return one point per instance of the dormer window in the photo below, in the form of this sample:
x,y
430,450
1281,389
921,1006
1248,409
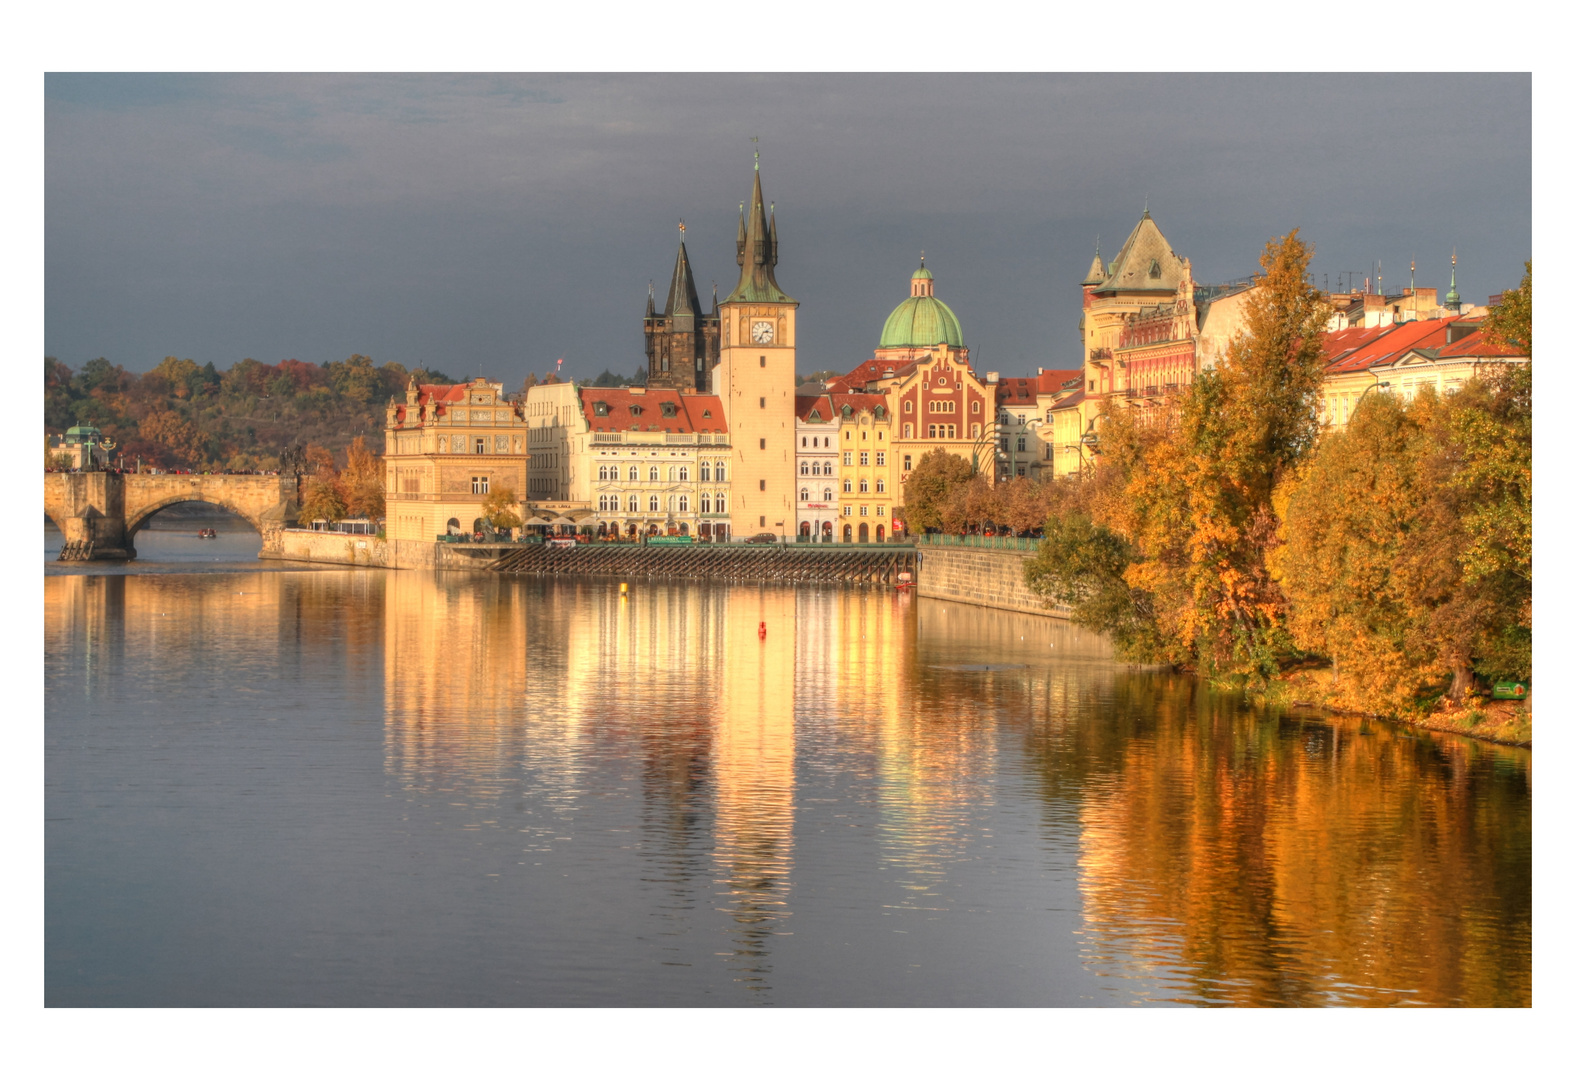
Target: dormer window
x,y
706,415
815,414
599,407
669,408
880,412
1154,268
848,410
636,410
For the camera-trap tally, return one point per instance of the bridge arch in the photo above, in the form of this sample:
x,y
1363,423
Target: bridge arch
x,y
135,523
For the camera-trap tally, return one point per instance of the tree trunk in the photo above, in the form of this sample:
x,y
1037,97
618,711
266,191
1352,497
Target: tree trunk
x,y
1460,680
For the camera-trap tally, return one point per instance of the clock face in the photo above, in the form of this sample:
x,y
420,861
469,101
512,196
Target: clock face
x,y
761,333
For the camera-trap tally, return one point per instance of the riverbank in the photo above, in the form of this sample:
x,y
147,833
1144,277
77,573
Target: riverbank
x,y
1508,723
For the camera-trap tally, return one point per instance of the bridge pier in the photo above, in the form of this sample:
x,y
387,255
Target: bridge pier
x,y
90,508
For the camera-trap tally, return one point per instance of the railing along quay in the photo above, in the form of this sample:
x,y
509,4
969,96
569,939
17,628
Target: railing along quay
x,y
773,563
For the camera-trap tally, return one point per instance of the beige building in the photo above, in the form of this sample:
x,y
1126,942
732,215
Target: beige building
x,y
867,468
755,379
446,448
940,404
553,416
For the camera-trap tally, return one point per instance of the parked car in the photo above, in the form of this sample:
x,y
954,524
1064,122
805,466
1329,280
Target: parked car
x,y
762,538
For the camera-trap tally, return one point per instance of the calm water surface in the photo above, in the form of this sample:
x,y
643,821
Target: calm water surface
x,y
274,787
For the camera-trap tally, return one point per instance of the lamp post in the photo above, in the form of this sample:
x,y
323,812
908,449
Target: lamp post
x,y
1371,386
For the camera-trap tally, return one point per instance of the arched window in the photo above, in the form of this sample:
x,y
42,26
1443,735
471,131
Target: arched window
x,y
848,485
974,406
804,494
880,484
683,504
722,474
652,504
722,503
826,496
684,474
601,472
673,473
654,475
705,472
634,504
804,468
864,486
908,430
705,502
804,440
634,472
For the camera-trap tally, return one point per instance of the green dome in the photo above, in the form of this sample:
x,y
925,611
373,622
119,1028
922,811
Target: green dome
x,y
921,321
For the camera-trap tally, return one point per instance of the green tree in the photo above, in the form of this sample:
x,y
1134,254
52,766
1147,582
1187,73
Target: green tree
x,y
929,486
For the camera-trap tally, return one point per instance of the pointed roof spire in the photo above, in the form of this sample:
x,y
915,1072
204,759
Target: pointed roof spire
x,y
651,299
1453,298
682,302
714,298
757,252
1096,272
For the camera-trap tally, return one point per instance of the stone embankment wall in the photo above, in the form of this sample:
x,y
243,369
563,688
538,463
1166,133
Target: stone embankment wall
x,y
347,549
980,576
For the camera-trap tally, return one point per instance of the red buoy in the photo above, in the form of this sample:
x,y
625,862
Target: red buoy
x,y
763,629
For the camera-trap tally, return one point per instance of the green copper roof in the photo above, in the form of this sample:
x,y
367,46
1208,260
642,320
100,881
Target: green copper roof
x,y
757,255
921,321
921,273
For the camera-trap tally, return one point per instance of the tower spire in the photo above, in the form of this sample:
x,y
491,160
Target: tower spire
x,y
757,245
1453,298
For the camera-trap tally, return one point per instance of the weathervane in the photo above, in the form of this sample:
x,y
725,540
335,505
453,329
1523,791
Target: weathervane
x,y
756,139
681,228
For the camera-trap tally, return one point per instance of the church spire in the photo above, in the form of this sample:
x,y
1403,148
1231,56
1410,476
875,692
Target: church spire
x,y
651,299
682,300
1453,298
757,251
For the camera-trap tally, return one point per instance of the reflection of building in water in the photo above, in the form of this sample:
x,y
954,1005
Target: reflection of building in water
x,y
1327,871
455,658
753,759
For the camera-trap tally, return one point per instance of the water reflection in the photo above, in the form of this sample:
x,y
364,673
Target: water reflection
x,y
588,797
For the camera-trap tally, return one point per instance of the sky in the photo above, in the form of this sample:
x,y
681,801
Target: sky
x,y
490,224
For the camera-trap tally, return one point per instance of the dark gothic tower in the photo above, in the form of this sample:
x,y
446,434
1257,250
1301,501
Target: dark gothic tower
x,y
682,342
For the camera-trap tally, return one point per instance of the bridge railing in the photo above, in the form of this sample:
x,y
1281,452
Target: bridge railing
x,y
999,543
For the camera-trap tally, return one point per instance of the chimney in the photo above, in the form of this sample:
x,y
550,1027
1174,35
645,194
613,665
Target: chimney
x,y
992,376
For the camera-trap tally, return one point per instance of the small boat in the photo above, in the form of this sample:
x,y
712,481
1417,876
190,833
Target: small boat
x,y
207,534
905,580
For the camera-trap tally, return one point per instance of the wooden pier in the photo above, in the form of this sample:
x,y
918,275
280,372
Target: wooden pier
x,y
785,564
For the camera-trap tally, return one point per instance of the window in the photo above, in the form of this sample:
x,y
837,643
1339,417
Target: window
x,y
634,504
683,504
1022,444
763,485
848,484
669,409
974,407
932,431
908,431
880,484
722,503
664,363
705,472
864,486
634,472
880,511
826,495
1004,444
652,473
908,406
804,468
908,462
804,494
601,472
652,504
815,468
763,403
763,444
803,441
848,511
864,511
683,474
864,457
599,407
705,502
976,432
880,457
481,445
478,485
673,473
952,431
636,410
722,474
848,458
763,364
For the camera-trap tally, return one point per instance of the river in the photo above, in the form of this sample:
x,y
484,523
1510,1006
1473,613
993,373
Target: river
x,y
276,785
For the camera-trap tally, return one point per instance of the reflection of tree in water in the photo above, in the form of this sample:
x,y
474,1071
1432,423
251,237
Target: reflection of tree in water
x,y
1237,856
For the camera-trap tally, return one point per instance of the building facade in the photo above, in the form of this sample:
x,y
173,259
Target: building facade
x,y
682,342
816,456
445,450
867,467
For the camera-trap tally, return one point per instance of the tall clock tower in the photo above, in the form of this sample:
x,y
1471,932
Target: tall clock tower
x,y
755,378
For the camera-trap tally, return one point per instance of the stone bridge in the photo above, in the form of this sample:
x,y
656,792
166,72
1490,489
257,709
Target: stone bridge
x,y
104,510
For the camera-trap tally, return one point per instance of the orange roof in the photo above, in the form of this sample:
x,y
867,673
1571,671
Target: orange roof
x,y
1475,344
1072,400
821,403
443,396
857,402
1359,348
865,374
1017,391
1051,381
629,411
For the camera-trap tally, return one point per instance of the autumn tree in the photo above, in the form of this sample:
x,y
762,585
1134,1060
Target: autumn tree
x,y
498,509
322,493
929,485
362,481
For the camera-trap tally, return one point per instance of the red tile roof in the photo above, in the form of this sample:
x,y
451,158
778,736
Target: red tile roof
x,y
858,402
1475,344
1017,391
1051,381
444,396
865,374
1070,401
821,403
689,410
1359,348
